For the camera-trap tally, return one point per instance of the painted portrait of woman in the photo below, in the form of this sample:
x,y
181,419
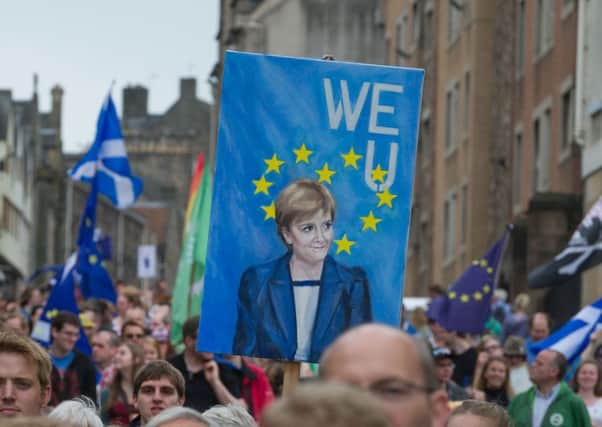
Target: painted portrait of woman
x,y
294,306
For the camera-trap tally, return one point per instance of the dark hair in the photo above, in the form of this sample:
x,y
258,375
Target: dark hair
x,y
190,327
131,323
487,410
114,339
598,387
156,370
561,364
65,318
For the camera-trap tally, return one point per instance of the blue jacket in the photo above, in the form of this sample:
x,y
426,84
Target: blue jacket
x,y
266,325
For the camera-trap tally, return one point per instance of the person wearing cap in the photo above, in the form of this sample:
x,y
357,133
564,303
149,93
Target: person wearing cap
x,y
444,370
516,355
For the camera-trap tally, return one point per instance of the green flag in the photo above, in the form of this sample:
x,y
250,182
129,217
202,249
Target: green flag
x,y
188,293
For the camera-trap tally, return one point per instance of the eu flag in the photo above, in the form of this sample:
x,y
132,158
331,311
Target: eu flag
x,y
467,304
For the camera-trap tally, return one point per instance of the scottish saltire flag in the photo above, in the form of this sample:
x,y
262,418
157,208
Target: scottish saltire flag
x,y
106,162
62,298
573,337
352,129
467,304
583,251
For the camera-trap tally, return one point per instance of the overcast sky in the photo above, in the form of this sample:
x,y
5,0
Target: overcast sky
x,y
83,46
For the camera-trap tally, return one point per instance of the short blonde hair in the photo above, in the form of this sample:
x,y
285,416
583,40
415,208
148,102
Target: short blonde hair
x,y
325,404
10,342
300,200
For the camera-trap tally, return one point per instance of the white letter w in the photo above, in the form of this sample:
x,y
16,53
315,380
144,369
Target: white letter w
x,y
351,114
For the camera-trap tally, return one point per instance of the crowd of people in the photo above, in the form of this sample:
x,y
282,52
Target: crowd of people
x,y
372,375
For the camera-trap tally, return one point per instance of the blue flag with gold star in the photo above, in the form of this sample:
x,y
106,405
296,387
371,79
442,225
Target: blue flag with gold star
x,y
467,305
311,204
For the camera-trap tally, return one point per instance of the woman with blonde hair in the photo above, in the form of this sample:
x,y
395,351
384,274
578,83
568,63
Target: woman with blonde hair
x,y
517,323
587,383
493,385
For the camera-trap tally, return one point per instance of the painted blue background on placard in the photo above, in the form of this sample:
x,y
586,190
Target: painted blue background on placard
x,y
273,105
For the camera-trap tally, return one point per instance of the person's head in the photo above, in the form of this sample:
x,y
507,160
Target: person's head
x,y
229,416
521,303
28,421
476,413
159,323
157,386
396,368
151,349
90,322
65,331
305,212
549,368
128,357
491,346
588,377
128,296
133,331
179,416
325,404
76,413
495,375
539,326
514,351
136,314
104,347
444,364
24,376
190,332
17,323
441,334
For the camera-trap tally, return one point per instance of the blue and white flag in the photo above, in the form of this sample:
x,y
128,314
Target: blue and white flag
x,y
106,162
573,337
62,298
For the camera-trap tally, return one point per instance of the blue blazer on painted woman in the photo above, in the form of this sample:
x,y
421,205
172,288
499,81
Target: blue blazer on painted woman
x,y
266,325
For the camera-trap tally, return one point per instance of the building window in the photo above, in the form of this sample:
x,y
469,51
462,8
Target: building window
x,y
464,224
544,27
567,119
449,227
402,40
520,39
466,101
541,152
425,141
596,126
416,23
454,19
517,169
451,116
536,142
428,31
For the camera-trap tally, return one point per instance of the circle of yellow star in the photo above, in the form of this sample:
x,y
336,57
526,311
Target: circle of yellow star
x,y
464,298
385,198
486,289
483,263
489,270
370,222
478,296
344,244
302,154
93,259
273,164
270,211
378,174
351,158
262,186
325,174
452,295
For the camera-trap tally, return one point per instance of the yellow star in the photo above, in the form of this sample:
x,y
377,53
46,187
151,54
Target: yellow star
x,y
273,164
478,296
344,245
464,298
452,295
325,174
385,198
270,211
486,289
302,154
52,314
351,158
489,270
88,222
378,175
261,185
370,222
483,263
92,259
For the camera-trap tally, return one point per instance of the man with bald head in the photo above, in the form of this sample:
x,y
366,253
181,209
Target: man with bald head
x,y
393,366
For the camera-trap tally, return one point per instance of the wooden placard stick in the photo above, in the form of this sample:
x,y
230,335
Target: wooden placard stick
x,y
291,376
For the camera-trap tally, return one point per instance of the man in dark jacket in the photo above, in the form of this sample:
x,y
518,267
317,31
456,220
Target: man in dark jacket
x,y
208,382
73,373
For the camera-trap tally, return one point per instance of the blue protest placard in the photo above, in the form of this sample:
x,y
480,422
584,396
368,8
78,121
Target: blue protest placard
x,y
311,203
